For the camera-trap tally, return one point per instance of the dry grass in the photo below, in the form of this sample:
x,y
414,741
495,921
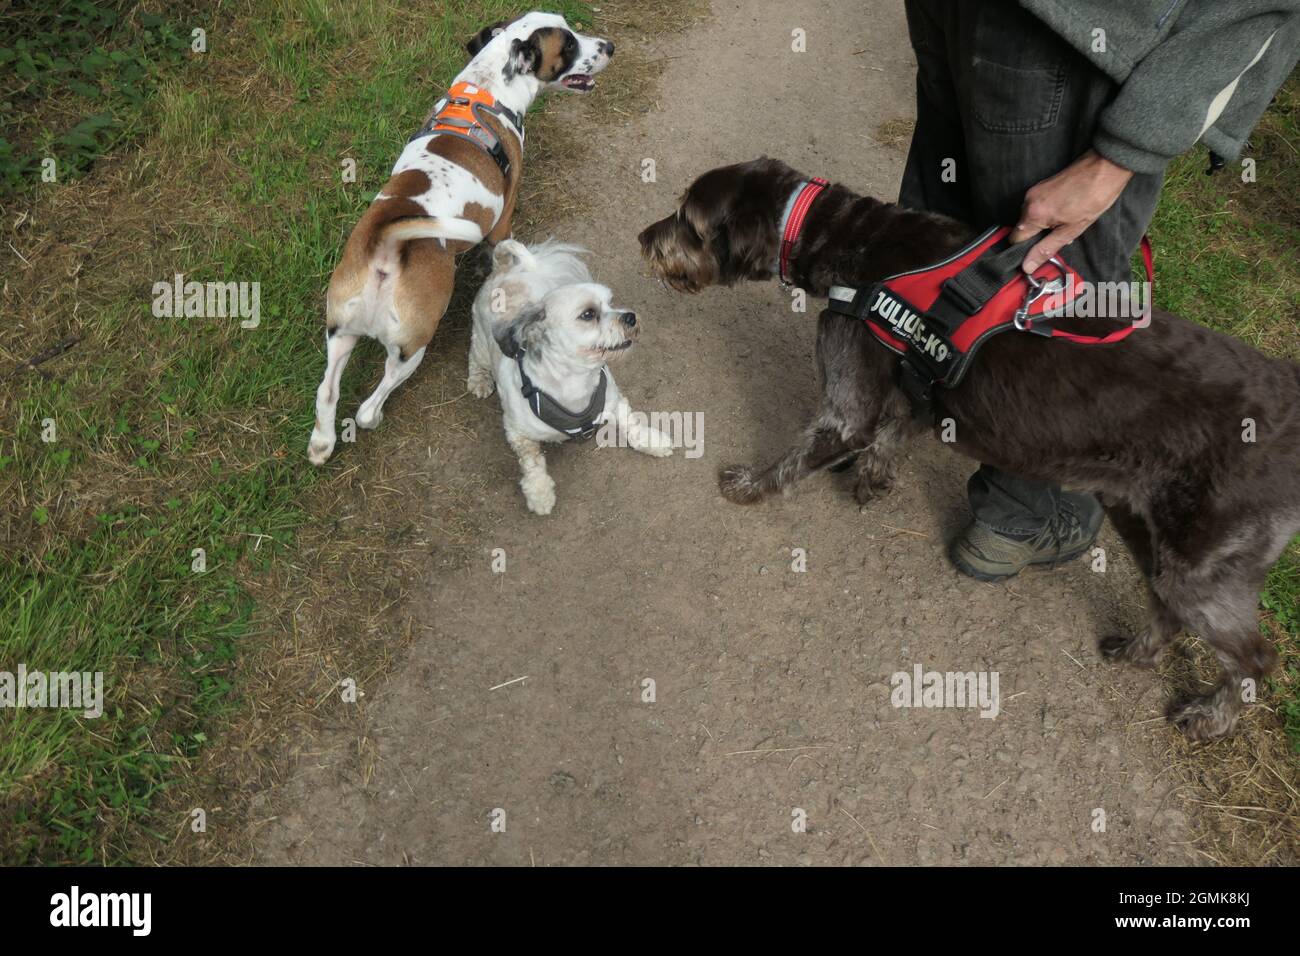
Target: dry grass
x,y
1243,793
338,608
895,133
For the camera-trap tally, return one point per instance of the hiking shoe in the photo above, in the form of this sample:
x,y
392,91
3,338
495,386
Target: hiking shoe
x,y
985,555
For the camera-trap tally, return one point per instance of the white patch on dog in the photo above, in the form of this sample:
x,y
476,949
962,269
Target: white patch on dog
x,y
451,187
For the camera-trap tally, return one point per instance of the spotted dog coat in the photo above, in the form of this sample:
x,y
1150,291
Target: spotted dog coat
x,y
445,194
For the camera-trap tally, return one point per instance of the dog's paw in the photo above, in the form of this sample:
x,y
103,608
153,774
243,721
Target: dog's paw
x,y
480,385
1204,718
1115,647
319,450
872,485
865,493
368,418
539,494
1127,649
738,486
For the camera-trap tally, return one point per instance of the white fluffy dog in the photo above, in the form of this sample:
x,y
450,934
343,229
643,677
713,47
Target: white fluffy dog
x,y
543,334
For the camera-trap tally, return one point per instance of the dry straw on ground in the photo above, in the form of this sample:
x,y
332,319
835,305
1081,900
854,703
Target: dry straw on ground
x,y
336,607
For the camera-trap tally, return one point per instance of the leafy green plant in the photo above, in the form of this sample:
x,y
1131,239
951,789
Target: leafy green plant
x,y
74,79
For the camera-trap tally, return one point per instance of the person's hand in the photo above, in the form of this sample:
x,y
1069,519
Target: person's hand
x,y
1068,203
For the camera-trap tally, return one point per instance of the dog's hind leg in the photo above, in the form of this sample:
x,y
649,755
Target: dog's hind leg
x,y
1135,531
396,371
1141,649
1219,601
820,446
1246,656
338,348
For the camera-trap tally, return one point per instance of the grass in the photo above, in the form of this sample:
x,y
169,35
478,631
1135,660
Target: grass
x,y
75,79
1226,256
172,435
175,434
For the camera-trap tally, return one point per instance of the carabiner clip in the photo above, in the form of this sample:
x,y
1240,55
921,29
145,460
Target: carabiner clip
x,y
1038,288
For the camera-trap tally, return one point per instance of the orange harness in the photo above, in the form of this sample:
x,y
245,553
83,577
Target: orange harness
x,y
460,113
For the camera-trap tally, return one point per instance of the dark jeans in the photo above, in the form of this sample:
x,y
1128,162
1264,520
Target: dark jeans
x,y
1010,104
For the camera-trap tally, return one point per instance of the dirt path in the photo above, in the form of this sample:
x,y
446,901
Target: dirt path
x,y
644,572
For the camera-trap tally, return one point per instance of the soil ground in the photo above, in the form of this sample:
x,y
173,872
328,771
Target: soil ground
x,y
772,690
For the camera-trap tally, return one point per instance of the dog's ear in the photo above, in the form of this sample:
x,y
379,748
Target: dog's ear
x,y
526,333
484,37
746,246
525,56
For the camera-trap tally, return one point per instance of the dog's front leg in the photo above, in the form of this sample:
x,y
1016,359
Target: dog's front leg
x,y
538,486
640,435
820,445
480,381
338,347
878,463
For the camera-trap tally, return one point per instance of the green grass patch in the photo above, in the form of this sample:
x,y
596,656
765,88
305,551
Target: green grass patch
x,y
172,436
75,78
1226,256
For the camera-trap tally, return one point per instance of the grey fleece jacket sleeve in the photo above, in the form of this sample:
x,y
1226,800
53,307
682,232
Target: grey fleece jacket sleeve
x,y
1211,78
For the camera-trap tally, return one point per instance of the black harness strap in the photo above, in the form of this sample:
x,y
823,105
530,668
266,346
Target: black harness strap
x,y
479,134
576,425
971,289
962,295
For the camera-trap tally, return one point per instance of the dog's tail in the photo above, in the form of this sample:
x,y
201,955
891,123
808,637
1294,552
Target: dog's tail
x,y
512,254
561,259
446,228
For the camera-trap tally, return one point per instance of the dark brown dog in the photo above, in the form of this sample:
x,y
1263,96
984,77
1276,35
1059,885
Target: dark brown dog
x,y
1158,425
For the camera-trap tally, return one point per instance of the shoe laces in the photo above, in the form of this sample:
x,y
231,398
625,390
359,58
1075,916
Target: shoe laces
x,y
1063,525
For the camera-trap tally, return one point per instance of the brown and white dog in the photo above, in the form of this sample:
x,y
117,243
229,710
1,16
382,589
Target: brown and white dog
x,y
445,194
1191,438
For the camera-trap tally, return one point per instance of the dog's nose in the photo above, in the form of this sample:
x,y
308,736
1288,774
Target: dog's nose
x,y
607,47
629,319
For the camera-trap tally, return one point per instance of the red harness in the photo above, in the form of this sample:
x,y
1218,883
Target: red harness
x,y
936,318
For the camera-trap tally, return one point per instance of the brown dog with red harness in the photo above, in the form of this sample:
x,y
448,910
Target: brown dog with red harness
x,y
1190,437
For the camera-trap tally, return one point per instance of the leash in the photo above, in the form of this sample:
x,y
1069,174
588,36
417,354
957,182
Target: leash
x,y
460,113
937,317
576,425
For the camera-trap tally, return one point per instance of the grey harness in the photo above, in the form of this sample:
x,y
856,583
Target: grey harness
x,y
478,133
580,425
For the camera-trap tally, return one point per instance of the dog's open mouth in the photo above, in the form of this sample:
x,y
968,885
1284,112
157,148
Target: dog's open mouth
x,y
626,344
582,82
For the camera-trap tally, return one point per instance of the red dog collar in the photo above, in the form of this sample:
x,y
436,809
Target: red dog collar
x,y
800,203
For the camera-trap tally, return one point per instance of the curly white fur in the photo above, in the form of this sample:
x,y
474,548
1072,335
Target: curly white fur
x,y
544,297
